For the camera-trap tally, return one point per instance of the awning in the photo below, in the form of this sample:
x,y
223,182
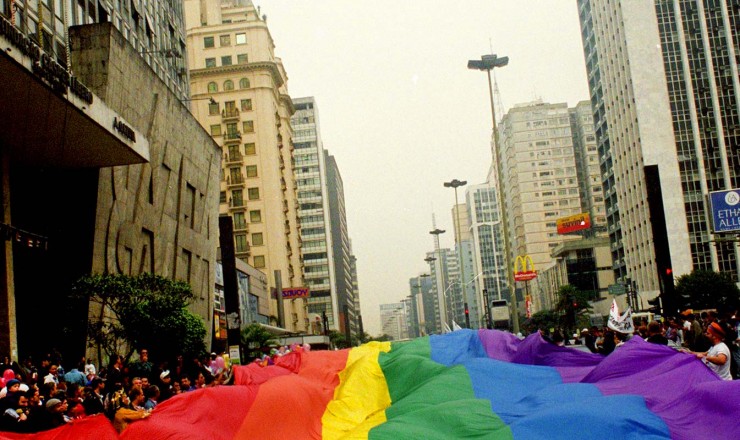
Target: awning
x,y
41,127
277,331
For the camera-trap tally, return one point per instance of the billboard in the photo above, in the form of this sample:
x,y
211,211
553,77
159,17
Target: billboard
x,y
296,292
725,207
573,223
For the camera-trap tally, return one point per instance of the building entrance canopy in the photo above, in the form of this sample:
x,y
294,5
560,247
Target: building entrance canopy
x,y
48,123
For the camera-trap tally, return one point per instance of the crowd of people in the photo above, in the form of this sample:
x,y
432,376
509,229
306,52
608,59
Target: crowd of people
x,y
39,397
710,337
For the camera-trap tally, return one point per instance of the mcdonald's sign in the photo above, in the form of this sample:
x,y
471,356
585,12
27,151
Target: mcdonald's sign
x,y
524,268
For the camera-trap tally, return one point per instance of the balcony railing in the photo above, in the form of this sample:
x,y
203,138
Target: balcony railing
x,y
233,136
235,179
236,203
230,113
234,157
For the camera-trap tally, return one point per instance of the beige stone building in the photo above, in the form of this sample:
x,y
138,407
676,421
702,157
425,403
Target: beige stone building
x,y
540,182
240,96
587,160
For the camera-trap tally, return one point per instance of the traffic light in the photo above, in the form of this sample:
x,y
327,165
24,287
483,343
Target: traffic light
x,y
668,271
467,316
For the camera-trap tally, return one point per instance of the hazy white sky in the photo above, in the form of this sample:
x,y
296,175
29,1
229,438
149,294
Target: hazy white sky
x,y
402,114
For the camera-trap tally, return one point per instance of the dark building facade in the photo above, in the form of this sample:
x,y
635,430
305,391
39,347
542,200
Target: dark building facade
x,y
103,172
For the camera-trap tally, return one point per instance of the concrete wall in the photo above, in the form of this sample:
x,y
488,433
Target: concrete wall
x,y
159,217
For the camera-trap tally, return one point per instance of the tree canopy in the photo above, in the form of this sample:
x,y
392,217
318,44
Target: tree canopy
x,y
572,304
704,289
145,310
255,338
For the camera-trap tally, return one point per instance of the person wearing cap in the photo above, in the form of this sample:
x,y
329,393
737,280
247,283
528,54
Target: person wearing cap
x,y
588,340
52,416
165,385
717,358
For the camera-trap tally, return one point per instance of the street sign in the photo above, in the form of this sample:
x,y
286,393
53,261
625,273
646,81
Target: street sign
x,y
296,292
617,289
725,206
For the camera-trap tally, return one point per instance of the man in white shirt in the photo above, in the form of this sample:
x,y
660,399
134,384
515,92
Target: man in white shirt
x,y
718,356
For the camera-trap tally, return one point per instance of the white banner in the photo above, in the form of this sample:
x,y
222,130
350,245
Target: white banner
x,y
623,323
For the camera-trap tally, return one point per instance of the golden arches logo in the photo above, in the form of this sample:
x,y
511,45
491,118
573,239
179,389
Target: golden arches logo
x,y
524,268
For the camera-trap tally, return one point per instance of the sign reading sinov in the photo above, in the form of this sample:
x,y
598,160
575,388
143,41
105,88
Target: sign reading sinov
x,y
296,292
725,206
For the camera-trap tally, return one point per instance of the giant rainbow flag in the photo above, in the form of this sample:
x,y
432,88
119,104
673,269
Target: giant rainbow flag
x,y
463,385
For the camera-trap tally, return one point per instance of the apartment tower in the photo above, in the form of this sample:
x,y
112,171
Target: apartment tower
x,y
587,165
540,183
240,96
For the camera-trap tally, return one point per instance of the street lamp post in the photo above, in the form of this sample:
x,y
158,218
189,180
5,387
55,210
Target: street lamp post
x,y
488,63
455,184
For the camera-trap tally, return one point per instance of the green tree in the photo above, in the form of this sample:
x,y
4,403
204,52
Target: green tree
x,y
145,310
705,289
545,320
382,338
255,338
572,304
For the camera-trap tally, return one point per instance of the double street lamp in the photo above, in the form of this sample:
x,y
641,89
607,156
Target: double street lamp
x,y
486,64
455,184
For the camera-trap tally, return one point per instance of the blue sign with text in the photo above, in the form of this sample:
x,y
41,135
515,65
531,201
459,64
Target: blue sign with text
x,y
725,207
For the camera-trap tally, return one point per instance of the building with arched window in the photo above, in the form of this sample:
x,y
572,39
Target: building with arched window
x,y
229,42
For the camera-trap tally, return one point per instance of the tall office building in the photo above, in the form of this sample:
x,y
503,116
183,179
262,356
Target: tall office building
x,y
664,92
356,293
587,165
317,251
489,262
422,289
344,299
540,182
241,98
464,249
393,320
444,270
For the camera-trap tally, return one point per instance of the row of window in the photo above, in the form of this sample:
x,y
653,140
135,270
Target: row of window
x,y
235,173
228,85
231,129
230,107
228,60
237,196
224,40
235,154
